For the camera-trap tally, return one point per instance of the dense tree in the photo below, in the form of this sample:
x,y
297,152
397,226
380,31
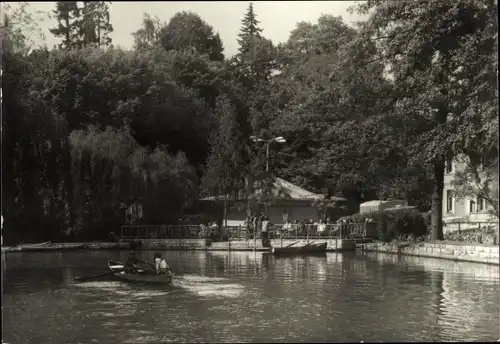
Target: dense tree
x,y
67,14
96,129
72,90
26,133
187,30
94,25
125,172
425,43
325,37
250,30
149,34
224,168
81,26
324,105
256,58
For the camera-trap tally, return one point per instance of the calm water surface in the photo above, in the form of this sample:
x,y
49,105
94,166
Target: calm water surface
x,y
248,297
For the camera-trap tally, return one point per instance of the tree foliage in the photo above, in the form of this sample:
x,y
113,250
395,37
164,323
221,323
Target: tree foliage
x,y
82,26
94,25
256,58
368,112
67,14
149,34
187,30
427,45
224,171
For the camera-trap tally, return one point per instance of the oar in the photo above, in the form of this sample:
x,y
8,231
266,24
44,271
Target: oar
x,y
293,243
85,278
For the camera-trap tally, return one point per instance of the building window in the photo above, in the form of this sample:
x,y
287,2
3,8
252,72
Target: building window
x,y
480,204
472,206
449,201
449,166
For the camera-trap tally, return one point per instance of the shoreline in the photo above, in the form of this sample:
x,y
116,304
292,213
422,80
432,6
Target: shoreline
x,y
333,245
456,251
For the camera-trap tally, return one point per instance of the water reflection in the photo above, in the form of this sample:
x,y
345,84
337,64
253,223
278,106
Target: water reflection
x,y
251,297
465,295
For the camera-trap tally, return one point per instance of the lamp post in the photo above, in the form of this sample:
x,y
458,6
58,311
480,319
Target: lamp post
x,y
278,139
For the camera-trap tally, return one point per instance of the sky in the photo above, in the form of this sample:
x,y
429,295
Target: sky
x,y
277,18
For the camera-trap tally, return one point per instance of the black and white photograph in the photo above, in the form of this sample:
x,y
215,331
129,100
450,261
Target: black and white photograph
x,y
249,172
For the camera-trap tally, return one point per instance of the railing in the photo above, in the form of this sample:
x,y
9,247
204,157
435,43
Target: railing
x,y
452,226
160,232
288,231
325,231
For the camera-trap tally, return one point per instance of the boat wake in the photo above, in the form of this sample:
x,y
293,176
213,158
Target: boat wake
x,y
208,286
212,287
122,289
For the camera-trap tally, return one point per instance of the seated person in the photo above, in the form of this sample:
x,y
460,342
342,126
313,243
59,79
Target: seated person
x,y
131,263
161,264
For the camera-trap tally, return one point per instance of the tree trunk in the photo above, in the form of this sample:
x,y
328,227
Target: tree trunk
x,y
68,32
437,200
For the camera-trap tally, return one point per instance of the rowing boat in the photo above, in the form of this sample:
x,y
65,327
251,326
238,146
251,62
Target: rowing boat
x,y
142,275
27,247
56,247
300,250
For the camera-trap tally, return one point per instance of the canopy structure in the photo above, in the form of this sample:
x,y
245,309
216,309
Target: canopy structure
x,y
379,205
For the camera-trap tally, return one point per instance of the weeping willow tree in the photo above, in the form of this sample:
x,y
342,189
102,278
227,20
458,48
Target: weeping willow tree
x,y
109,168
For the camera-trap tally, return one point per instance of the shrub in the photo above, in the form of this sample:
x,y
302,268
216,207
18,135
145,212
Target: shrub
x,y
393,224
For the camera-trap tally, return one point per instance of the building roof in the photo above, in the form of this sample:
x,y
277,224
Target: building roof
x,y
378,205
284,190
377,202
294,191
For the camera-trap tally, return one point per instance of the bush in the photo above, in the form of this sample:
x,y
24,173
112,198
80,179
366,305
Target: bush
x,y
394,224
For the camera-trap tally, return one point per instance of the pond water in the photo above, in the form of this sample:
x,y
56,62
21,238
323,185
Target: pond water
x,y
250,297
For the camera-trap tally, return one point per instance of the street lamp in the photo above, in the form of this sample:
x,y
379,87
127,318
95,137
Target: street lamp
x,y
279,139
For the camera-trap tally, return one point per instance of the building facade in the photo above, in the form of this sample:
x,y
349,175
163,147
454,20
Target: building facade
x,y
291,203
468,209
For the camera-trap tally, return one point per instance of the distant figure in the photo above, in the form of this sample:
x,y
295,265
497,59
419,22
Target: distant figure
x,y
255,224
203,231
287,228
296,228
161,264
264,232
131,263
321,228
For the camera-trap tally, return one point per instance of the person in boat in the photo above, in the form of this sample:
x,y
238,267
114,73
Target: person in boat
x,y
131,263
161,264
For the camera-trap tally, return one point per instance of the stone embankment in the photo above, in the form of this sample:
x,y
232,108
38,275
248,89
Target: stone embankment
x,y
333,245
458,251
